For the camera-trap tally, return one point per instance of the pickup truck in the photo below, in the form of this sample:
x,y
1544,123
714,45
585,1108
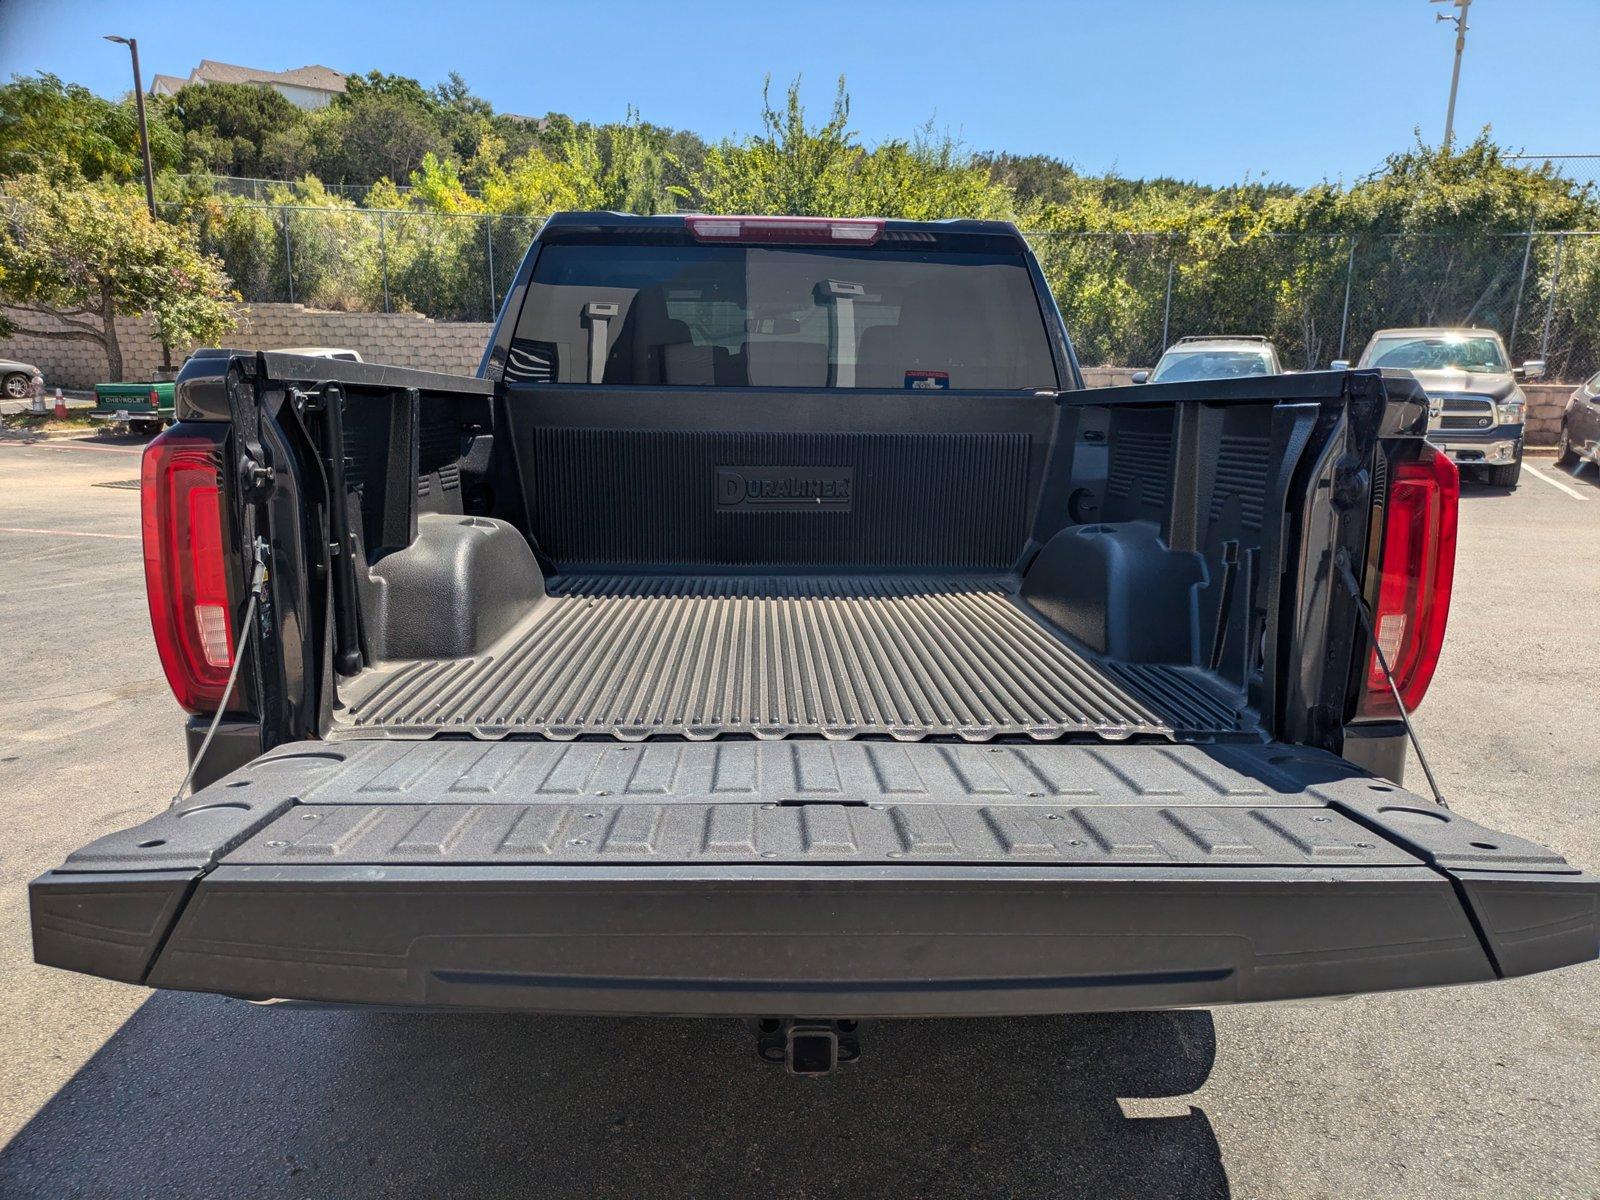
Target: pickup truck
x,y
142,407
1479,412
775,628
147,407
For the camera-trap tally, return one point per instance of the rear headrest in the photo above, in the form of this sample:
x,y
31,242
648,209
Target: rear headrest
x,y
646,329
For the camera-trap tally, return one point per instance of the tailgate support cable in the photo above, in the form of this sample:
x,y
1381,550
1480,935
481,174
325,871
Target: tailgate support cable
x,y
258,589
1343,562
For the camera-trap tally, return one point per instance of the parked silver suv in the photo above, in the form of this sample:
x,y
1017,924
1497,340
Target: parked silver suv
x,y
1476,412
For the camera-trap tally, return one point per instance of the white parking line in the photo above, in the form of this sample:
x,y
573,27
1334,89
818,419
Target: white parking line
x,y
1555,483
68,444
117,537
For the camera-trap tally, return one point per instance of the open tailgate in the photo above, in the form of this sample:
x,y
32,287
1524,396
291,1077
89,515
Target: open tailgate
x,y
851,879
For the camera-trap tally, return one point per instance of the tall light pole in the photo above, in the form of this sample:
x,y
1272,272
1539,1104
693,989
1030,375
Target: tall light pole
x,y
1460,21
144,149
144,130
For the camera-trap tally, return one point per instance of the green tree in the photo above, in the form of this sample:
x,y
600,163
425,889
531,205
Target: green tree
x,y
465,118
382,128
683,154
227,126
334,248
1434,236
50,126
626,162
793,167
79,255
291,153
536,185
1433,189
1438,235
928,178
374,84
789,168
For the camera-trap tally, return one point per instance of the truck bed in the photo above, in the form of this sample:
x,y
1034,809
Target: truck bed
x,y
907,657
848,879
637,695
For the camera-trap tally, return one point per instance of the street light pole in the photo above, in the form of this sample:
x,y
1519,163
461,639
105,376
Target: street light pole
x,y
144,130
1460,20
144,149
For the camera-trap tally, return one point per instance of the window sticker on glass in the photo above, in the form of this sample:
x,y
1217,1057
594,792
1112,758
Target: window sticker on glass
x,y
928,381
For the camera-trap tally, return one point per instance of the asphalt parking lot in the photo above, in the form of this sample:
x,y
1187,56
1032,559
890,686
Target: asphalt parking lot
x,y
112,1091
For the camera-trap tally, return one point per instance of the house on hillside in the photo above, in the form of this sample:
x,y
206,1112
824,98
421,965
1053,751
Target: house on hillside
x,y
307,87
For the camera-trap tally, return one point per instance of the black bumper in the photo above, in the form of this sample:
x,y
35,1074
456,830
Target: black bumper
x,y
1273,877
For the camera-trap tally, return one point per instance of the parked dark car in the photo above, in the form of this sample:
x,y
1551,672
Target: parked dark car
x,y
1580,425
16,378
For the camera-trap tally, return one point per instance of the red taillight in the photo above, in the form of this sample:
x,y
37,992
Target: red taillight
x,y
1417,567
155,398
184,570
849,231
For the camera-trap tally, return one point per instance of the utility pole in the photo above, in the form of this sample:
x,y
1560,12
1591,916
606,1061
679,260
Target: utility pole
x,y
1460,21
144,130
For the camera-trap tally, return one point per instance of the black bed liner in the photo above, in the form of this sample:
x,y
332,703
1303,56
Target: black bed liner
x,y
906,656
859,878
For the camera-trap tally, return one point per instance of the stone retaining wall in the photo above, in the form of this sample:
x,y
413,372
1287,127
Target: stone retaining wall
x,y
1546,403
409,340
403,339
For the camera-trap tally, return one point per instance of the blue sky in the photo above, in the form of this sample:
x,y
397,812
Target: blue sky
x,y
1298,90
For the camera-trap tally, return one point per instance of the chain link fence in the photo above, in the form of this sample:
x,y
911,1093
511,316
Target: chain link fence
x,y
449,266
1125,296
266,191
1580,169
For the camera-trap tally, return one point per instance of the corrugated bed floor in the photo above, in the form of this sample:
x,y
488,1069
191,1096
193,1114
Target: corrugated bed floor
x,y
841,656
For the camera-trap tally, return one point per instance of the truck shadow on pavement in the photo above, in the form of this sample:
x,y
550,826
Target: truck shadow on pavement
x,y
1476,489
198,1096
1582,479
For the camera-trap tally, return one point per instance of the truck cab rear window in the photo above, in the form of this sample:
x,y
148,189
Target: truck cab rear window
x,y
804,317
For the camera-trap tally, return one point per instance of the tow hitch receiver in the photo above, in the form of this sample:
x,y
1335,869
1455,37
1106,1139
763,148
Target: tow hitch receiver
x,y
805,1046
